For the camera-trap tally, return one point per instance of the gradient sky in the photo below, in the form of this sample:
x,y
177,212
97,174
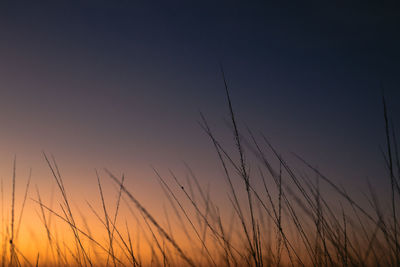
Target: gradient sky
x,y
120,84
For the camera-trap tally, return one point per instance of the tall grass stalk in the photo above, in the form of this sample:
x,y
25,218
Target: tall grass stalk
x,y
274,214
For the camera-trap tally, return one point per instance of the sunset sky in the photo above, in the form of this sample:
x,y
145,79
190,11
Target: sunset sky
x,y
119,84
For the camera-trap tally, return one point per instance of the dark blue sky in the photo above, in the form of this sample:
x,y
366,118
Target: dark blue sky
x,y
116,82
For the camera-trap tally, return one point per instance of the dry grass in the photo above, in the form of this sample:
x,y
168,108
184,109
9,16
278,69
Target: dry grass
x,y
278,216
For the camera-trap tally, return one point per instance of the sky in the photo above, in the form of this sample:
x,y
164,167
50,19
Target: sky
x,y
120,84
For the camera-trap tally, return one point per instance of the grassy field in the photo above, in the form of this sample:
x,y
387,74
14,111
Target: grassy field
x,y
277,216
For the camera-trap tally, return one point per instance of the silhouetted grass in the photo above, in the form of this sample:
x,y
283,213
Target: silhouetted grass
x,y
277,215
